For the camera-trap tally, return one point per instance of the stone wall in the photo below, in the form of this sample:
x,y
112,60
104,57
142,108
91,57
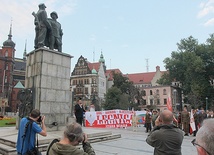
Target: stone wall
x,y
48,74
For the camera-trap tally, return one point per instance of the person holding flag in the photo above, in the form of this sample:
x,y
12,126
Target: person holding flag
x,y
192,122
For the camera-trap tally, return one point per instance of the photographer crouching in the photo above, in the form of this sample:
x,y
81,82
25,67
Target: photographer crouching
x,y
68,145
28,129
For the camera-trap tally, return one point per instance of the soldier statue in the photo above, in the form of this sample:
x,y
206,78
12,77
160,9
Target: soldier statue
x,y
56,35
48,30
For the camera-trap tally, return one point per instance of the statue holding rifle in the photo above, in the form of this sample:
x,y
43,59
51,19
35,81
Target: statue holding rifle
x,y
48,30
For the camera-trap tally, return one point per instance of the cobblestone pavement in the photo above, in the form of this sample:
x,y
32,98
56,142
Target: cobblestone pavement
x,y
134,143
130,143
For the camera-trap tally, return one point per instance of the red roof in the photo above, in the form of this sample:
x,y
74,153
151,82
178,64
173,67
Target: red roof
x,y
141,77
94,65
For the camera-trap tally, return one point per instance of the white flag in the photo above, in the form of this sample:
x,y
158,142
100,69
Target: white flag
x,y
192,121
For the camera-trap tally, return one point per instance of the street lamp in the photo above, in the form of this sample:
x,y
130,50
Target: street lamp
x,y
175,91
206,103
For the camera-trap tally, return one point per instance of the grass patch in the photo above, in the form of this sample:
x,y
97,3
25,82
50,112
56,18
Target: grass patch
x,y
10,122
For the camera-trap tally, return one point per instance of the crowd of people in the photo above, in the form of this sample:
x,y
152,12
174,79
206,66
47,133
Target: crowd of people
x,y
181,119
166,132
169,129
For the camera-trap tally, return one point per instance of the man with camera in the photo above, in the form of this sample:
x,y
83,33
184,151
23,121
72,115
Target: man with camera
x,y
68,145
29,127
166,138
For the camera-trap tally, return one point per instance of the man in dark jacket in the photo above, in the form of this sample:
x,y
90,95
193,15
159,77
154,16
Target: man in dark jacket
x,y
79,109
148,121
165,137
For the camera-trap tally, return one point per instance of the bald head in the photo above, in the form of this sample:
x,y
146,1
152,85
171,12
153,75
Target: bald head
x,y
166,117
205,135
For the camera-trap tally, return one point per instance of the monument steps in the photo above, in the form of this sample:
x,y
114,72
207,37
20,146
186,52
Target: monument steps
x,y
7,147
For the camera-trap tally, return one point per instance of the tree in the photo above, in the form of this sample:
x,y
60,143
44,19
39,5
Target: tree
x,y
193,66
112,98
124,102
122,95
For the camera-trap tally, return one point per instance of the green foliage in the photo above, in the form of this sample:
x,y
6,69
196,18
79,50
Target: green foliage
x,y
193,66
121,95
112,98
7,122
124,101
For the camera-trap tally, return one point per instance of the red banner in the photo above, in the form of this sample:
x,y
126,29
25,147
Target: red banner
x,y
112,118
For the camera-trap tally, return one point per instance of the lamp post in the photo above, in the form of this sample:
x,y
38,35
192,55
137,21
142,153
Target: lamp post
x,y
206,103
175,91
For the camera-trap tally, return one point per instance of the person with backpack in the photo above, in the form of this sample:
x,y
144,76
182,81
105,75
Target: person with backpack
x,y
28,129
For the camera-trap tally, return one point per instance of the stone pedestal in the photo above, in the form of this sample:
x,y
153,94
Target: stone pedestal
x,y
48,74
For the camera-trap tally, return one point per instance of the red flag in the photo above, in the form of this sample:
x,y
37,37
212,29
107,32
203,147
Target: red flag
x,y
169,103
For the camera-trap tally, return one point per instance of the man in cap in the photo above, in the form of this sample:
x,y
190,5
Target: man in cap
x,y
41,26
56,33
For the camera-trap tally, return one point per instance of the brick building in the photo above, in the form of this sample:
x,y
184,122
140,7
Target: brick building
x,y
12,71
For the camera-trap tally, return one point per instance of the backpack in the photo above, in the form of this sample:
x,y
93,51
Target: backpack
x,y
50,145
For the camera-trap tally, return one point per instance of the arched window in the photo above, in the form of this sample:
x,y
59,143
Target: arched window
x,y
157,91
150,92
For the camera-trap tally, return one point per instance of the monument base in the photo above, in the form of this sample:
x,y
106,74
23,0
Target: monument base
x,y
48,75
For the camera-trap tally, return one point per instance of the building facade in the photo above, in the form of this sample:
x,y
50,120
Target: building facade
x,y
88,81
12,71
6,71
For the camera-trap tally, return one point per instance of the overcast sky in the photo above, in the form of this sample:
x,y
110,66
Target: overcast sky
x,y
127,32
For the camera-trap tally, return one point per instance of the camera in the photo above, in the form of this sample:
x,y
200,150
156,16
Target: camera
x,y
39,119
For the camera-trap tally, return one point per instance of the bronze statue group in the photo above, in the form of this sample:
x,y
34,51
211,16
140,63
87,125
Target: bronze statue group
x,y
48,30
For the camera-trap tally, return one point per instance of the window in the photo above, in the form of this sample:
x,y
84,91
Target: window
x,y
93,90
6,66
151,101
86,90
165,101
150,92
158,101
144,93
93,81
6,53
157,91
5,80
164,92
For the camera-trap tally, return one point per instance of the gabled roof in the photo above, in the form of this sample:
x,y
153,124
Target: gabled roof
x,y
19,85
110,75
138,78
94,65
